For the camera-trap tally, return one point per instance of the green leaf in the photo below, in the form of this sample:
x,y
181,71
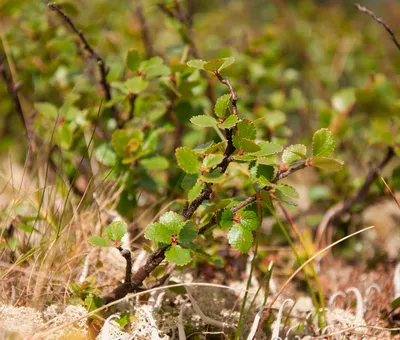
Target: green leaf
x,y
221,105
158,71
116,230
294,153
178,255
218,64
249,219
172,221
226,220
330,164
99,241
47,109
189,181
215,177
197,63
133,60
195,191
396,303
267,149
262,173
136,85
187,160
229,122
155,163
212,161
323,143
203,148
248,145
287,191
105,155
228,62
93,302
126,143
344,99
203,121
246,129
157,232
240,238
188,232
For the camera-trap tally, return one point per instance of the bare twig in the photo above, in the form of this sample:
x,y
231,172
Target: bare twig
x,y
380,21
103,69
144,30
342,207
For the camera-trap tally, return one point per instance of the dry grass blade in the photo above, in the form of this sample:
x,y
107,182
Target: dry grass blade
x,y
303,265
390,192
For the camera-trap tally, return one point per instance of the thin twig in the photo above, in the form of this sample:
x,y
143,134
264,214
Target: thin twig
x,y
380,21
103,69
144,30
342,207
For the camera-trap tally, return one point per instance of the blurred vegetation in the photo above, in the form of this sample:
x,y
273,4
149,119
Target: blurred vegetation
x,y
300,66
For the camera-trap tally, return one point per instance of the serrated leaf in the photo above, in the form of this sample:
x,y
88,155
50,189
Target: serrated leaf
x,y
203,121
226,220
268,160
288,191
245,158
187,160
188,233
330,164
99,241
323,143
155,163
246,129
136,85
157,232
249,219
116,230
133,60
215,177
229,122
221,105
196,63
105,155
248,145
203,148
240,238
195,191
189,181
172,221
262,173
212,161
178,255
267,149
47,109
292,153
